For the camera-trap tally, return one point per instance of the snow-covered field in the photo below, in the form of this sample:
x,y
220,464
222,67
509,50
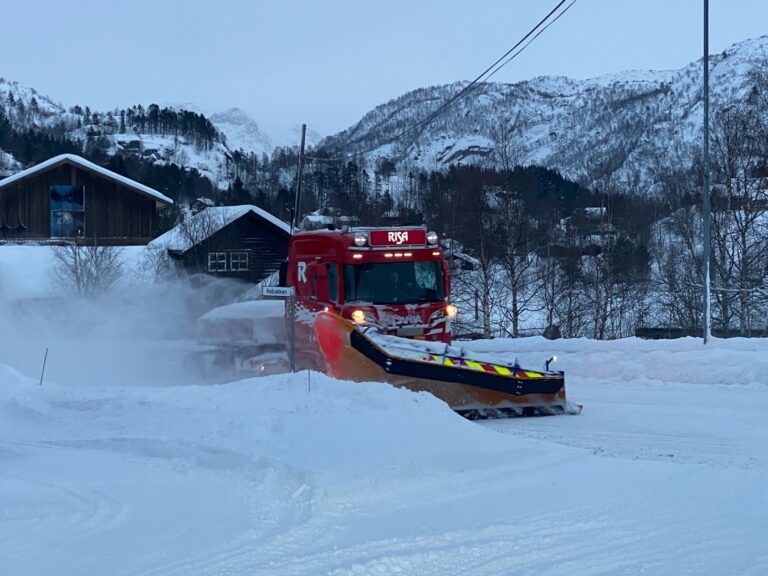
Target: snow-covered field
x,y
123,463
664,472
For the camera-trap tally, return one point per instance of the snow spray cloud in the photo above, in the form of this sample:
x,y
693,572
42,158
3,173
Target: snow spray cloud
x,y
137,330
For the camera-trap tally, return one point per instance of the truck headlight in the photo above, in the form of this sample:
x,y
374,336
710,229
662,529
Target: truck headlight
x,y
451,310
358,317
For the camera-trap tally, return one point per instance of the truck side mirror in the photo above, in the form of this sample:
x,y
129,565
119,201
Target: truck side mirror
x,y
283,274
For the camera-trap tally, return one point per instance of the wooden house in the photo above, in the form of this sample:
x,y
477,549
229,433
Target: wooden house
x,y
67,197
244,242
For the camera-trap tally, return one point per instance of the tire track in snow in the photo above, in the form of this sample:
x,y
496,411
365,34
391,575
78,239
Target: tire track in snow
x,y
280,499
595,537
682,423
312,548
92,513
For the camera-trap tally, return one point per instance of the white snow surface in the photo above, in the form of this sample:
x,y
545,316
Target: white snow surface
x,y
124,462
250,309
242,131
663,473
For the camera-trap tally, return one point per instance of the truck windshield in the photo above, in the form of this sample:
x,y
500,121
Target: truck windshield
x,y
393,283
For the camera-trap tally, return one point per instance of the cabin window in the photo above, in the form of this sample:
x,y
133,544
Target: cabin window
x,y
67,211
238,261
217,261
333,282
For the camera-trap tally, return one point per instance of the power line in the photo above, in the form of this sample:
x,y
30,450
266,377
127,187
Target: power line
x,y
516,54
490,71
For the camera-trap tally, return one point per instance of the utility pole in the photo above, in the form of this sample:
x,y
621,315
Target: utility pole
x,y
299,175
705,192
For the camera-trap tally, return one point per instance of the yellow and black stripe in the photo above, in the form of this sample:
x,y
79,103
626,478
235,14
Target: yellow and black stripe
x,y
512,381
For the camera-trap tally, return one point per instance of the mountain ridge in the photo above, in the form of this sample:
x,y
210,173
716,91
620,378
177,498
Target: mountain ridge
x,y
616,131
607,131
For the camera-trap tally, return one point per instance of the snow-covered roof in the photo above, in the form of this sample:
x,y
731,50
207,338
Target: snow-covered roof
x,y
204,224
87,165
253,309
595,211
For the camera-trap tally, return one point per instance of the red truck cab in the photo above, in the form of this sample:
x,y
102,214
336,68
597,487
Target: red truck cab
x,y
394,278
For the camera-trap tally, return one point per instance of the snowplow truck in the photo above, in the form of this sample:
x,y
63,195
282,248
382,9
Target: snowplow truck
x,y
373,304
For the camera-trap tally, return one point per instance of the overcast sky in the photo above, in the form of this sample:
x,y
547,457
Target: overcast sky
x,y
328,62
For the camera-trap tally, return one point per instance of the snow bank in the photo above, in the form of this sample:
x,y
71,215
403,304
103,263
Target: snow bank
x,y
299,420
25,271
12,379
737,361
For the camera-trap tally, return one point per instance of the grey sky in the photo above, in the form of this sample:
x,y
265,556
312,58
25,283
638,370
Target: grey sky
x,y
327,63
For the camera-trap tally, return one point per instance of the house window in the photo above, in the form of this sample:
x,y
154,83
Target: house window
x,y
217,261
67,211
238,261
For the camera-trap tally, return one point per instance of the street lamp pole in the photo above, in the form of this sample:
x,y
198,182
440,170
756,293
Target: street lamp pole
x,y
705,192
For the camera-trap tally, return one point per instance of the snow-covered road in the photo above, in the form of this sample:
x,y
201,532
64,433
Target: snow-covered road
x,y
665,472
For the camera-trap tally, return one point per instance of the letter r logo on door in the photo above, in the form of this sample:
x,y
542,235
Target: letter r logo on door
x,y
303,272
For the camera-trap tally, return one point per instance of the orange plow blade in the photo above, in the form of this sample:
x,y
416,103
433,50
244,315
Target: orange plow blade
x,y
471,386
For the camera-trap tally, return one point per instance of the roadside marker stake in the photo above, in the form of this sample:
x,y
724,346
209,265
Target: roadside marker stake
x,y
42,373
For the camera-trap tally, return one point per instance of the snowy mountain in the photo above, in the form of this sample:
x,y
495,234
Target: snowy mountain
x,y
164,134
242,131
612,132
615,130
288,136
158,135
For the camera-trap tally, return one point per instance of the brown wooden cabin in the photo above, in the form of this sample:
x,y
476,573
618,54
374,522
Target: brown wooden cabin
x,y
243,242
67,197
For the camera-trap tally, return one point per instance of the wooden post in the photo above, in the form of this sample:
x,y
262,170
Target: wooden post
x,y
292,314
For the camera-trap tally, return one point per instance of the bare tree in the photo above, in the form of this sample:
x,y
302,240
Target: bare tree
x,y
740,204
192,231
89,269
507,145
517,258
677,283
156,265
560,283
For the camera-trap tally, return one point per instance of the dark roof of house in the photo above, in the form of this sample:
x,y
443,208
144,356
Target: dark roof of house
x,y
206,223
